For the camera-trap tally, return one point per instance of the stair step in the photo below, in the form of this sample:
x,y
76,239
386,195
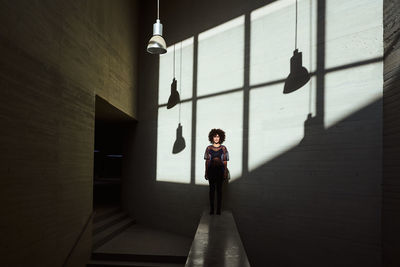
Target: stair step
x,y
96,263
99,256
108,222
107,234
105,213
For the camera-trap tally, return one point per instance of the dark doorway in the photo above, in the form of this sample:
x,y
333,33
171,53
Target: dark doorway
x,y
111,127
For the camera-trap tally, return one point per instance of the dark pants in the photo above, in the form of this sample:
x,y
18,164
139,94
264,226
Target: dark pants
x,y
215,183
215,179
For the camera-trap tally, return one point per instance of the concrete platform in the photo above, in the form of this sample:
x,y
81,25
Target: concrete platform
x,y
217,243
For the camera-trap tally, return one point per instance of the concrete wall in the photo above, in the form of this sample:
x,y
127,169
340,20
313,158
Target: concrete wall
x,y
391,141
307,166
55,57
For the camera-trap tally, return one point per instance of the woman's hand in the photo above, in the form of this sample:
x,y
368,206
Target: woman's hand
x,y
205,176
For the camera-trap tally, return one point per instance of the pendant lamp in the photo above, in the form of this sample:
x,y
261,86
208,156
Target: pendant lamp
x,y
157,43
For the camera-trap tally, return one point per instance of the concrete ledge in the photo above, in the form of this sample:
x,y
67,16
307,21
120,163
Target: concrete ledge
x,y
217,243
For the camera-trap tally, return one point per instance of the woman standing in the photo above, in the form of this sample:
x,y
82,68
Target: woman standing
x,y
216,157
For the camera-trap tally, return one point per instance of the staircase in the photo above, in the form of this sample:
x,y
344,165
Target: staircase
x,y
112,233
107,224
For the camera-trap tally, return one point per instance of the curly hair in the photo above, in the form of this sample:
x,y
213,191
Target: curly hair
x,y
214,132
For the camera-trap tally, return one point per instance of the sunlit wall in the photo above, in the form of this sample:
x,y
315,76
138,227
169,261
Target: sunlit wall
x,y
351,75
223,112
221,58
276,119
221,69
354,34
178,63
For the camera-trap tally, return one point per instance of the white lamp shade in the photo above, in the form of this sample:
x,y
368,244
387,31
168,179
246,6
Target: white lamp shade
x,y
157,45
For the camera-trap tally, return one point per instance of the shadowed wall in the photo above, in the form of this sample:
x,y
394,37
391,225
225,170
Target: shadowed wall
x,y
391,134
55,57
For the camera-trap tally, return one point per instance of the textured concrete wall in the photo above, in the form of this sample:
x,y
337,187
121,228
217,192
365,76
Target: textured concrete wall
x,y
307,166
55,57
391,133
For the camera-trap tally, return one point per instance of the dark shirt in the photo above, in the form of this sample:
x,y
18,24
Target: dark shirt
x,y
216,157
220,152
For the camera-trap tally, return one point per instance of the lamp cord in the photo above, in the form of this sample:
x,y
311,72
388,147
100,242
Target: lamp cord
x,y
295,42
180,83
158,9
174,62
310,94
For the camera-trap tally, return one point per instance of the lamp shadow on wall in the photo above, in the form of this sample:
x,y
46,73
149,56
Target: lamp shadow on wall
x,y
174,98
179,143
298,75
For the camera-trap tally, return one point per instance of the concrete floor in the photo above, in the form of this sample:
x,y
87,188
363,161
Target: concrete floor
x,y
142,240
